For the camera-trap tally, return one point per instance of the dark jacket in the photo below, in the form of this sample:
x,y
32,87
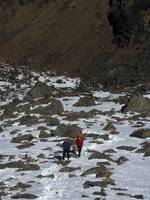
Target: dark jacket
x,y
66,145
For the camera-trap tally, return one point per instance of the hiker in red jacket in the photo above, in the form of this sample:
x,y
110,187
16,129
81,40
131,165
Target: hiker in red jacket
x,y
79,142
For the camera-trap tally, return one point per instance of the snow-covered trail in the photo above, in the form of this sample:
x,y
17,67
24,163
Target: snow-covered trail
x,y
131,178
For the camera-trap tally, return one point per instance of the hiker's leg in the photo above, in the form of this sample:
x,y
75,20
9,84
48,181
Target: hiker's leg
x,y
79,151
68,155
64,153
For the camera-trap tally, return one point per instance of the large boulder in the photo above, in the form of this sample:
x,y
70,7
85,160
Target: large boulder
x,y
100,171
85,102
21,165
137,103
51,121
44,134
99,155
121,160
73,116
40,90
145,149
28,120
110,127
10,108
67,130
55,107
24,108
19,138
141,133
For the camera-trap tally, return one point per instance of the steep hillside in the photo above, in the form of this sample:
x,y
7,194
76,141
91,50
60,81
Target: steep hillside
x,y
62,34
106,39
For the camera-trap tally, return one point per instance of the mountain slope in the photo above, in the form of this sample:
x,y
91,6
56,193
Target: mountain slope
x,y
62,34
104,39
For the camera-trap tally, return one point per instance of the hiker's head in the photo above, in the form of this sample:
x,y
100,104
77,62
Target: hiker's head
x,y
67,138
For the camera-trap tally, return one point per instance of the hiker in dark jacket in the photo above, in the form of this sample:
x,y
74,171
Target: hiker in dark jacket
x,y
66,148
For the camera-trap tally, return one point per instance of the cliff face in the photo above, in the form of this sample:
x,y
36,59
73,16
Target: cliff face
x,y
129,65
106,39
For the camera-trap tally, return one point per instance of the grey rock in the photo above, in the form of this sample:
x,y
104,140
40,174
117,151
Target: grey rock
x,y
10,108
44,134
141,133
28,120
76,115
137,196
99,155
69,169
137,103
121,160
24,196
107,181
24,108
127,148
85,102
42,128
67,130
88,184
25,145
51,121
19,138
55,107
41,155
40,90
21,165
14,132
145,149
109,127
21,185
46,176
100,171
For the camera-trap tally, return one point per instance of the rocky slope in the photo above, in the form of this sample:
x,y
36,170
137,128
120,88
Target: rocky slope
x,y
38,110
106,39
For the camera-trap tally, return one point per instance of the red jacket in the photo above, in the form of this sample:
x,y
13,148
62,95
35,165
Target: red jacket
x,y
79,140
